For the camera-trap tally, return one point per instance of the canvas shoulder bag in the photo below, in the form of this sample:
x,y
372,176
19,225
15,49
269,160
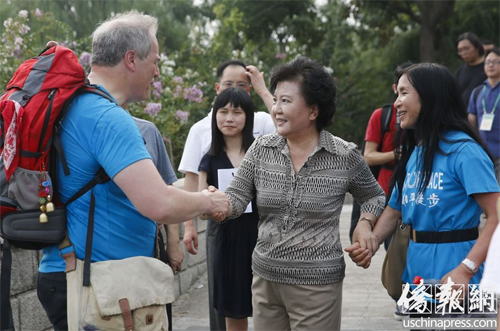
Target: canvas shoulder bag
x,y
128,294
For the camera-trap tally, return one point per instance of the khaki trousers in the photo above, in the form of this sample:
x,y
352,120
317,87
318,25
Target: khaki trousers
x,y
296,307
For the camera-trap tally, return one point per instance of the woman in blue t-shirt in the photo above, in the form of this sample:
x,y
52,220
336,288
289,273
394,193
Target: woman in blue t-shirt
x,y
232,135
444,182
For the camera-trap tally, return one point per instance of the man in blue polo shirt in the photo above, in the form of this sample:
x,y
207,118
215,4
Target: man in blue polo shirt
x,y
484,107
98,133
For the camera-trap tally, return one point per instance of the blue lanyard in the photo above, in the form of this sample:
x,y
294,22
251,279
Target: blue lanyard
x,y
484,104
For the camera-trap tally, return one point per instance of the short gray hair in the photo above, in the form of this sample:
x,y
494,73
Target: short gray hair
x,y
123,32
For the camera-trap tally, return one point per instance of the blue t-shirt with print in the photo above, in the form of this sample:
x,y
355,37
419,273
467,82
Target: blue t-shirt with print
x,y
97,133
446,204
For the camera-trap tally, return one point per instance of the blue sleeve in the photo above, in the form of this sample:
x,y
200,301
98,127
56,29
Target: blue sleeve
x,y
474,169
472,107
117,142
395,201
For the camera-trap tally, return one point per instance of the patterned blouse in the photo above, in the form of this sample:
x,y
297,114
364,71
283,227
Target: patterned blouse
x,y
298,240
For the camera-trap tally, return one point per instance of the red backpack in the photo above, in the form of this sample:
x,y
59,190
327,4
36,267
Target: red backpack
x,y
32,109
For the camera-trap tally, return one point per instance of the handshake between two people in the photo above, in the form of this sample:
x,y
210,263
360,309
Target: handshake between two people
x,y
364,245
221,207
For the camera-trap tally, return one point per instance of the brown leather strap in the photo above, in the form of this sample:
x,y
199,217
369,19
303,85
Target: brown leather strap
x,y
127,314
69,257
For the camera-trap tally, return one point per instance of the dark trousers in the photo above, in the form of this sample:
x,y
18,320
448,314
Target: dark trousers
x,y
51,290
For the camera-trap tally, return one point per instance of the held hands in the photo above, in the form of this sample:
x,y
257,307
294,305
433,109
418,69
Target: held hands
x,y
365,245
220,204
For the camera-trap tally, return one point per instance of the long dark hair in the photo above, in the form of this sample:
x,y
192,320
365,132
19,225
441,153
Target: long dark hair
x,y
474,40
238,98
442,109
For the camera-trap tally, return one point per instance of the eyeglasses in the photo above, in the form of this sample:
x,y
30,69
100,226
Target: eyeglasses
x,y
241,85
495,62
464,49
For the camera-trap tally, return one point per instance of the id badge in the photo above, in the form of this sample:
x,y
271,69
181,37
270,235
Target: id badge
x,y
487,122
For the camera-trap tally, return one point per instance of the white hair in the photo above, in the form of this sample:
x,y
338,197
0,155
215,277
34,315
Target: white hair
x,y
123,32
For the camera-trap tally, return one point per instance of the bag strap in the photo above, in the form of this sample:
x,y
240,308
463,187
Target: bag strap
x,y
385,119
89,241
6,320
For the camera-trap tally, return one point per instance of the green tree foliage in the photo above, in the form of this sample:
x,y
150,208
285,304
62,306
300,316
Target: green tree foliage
x,y
359,41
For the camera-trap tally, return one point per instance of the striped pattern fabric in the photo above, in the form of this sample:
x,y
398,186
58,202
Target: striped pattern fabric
x,y
298,240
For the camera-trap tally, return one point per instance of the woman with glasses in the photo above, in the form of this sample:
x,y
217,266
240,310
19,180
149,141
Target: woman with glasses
x,y
471,73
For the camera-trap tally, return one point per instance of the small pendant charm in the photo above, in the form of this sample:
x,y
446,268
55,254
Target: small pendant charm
x,y
43,218
42,208
42,201
50,205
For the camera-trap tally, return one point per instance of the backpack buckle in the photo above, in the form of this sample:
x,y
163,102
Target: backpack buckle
x,y
102,177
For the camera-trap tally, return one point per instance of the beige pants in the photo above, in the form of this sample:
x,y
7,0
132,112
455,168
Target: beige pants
x,y
296,307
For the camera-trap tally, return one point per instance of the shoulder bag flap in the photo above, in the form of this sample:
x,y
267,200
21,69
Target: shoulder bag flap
x,y
143,281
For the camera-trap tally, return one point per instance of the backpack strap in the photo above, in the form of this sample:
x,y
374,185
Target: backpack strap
x,y
475,93
57,125
100,178
385,119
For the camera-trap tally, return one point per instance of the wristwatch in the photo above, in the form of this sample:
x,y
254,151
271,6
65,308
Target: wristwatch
x,y
372,223
470,265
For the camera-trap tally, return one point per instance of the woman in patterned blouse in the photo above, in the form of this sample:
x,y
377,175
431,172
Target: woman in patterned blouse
x,y
300,176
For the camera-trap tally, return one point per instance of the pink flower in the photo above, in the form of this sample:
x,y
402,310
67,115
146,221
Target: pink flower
x,y
178,90
182,116
38,12
17,52
178,80
157,89
152,109
280,55
85,59
193,94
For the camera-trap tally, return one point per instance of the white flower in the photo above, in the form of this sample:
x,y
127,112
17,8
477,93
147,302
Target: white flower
x,y
24,29
7,23
23,13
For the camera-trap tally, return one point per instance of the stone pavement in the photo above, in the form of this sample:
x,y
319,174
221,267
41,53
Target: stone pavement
x,y
365,306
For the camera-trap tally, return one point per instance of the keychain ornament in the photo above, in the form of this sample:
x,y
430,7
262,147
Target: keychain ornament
x,y
46,205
